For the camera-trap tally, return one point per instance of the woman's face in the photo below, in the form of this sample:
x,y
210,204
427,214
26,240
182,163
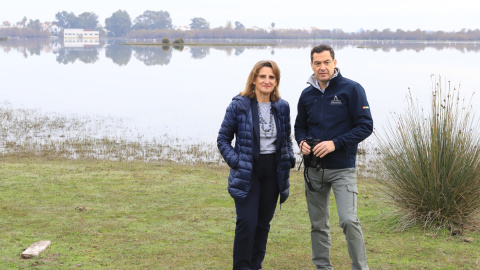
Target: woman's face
x,y
265,81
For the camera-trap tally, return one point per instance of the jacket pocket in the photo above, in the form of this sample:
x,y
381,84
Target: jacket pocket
x,y
352,198
234,161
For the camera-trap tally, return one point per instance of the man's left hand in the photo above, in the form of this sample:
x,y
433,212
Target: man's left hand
x,y
323,148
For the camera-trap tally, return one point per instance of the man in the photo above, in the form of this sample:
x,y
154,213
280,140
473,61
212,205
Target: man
x,y
333,117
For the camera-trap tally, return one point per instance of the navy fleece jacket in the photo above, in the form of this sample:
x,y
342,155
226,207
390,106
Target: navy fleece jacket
x,y
341,114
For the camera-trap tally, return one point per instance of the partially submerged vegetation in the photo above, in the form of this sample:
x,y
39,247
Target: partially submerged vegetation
x,y
28,132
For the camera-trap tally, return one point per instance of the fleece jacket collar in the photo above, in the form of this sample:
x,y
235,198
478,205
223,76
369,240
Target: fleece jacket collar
x,y
312,80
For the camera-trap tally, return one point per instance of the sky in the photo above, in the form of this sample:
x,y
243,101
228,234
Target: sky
x,y
348,15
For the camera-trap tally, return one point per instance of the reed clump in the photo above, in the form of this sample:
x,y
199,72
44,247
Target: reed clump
x,y
432,162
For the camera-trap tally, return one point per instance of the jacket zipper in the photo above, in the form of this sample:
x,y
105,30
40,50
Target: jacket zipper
x,y
321,116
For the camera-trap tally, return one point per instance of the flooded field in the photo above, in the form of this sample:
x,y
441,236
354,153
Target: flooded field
x,y
33,132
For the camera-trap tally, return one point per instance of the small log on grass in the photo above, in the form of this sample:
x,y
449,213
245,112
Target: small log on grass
x,y
35,249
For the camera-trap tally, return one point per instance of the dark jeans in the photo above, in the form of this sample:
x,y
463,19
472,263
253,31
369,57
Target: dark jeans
x,y
254,215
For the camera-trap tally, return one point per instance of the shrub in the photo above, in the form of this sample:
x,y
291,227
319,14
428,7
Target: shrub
x,y
165,40
432,162
178,41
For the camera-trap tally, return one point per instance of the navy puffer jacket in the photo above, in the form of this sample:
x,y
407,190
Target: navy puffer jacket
x,y
238,122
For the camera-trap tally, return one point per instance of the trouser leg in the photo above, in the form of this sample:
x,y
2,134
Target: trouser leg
x,y
267,177
247,213
254,215
344,186
318,203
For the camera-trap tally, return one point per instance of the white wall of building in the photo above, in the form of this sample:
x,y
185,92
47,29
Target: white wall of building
x,y
80,33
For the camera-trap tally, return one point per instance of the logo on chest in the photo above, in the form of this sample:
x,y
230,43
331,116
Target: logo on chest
x,y
335,101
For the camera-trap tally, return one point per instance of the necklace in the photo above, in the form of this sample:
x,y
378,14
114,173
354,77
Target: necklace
x,y
264,123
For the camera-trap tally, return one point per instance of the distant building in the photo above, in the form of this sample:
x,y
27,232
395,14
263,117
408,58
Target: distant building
x,y
80,37
183,28
54,29
46,26
81,33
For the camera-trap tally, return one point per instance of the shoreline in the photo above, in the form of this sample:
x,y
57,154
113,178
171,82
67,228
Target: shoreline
x,y
197,44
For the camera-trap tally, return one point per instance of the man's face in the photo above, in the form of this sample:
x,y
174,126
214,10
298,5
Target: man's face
x,y
323,66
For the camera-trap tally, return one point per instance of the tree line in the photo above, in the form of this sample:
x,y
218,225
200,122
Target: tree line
x,y
158,24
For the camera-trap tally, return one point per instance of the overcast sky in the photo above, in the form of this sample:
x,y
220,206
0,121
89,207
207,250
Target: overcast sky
x,y
348,15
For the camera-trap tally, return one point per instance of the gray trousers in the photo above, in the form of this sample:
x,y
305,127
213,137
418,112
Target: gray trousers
x,y
344,184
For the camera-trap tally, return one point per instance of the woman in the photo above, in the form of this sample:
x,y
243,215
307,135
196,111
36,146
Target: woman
x,y
259,163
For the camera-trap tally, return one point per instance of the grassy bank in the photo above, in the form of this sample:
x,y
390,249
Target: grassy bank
x,y
136,215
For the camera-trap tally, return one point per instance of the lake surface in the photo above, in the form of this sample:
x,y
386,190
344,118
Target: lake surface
x,y
183,92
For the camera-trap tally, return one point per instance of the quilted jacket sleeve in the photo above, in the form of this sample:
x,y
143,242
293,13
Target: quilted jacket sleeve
x,y
226,135
301,126
289,141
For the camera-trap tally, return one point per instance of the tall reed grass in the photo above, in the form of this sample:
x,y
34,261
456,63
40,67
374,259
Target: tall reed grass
x,y
432,161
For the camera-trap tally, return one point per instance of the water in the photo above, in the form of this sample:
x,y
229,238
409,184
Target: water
x,y
184,92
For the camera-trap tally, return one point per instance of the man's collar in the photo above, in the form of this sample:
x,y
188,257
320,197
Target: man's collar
x,y
314,81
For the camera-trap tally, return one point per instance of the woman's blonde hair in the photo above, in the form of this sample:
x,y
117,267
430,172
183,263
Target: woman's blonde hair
x,y
249,90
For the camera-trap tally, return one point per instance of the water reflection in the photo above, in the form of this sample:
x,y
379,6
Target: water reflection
x,y
28,47
151,55
178,47
239,51
398,46
88,55
77,42
120,55
162,55
199,53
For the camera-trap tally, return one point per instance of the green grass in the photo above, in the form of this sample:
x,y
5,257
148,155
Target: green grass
x,y
134,215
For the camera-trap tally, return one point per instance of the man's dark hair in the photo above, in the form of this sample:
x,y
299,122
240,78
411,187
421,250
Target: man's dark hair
x,y
320,48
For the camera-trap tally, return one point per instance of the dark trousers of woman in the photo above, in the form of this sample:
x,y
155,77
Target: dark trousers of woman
x,y
254,215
